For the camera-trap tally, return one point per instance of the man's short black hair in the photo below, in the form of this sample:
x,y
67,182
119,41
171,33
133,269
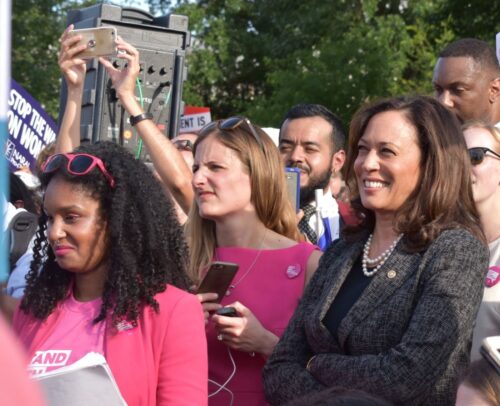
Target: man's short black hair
x,y
480,51
317,110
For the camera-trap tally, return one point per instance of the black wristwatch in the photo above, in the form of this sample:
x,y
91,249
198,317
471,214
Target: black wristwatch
x,y
137,119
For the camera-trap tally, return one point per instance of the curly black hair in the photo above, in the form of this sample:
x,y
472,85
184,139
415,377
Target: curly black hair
x,y
146,245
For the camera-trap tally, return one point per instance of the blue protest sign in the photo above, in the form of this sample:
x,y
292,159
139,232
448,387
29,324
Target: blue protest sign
x,y
30,128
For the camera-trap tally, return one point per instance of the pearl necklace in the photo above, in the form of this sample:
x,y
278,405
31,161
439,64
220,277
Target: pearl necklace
x,y
380,260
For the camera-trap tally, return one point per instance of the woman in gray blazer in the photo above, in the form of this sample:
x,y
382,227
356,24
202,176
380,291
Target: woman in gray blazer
x,y
391,307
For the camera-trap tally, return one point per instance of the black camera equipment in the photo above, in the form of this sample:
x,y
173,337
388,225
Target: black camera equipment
x,y
162,43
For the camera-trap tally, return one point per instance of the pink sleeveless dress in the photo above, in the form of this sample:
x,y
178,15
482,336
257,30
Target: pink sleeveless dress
x,y
271,290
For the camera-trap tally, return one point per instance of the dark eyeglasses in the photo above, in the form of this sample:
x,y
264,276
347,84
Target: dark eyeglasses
x,y
230,124
76,164
184,145
477,154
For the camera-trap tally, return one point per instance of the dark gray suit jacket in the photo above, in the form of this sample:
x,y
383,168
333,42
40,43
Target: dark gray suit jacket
x,y
406,339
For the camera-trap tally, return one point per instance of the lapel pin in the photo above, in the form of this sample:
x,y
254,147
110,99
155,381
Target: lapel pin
x,y
493,276
391,274
293,271
124,326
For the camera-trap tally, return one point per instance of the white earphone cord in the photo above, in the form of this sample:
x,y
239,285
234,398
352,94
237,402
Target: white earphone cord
x,y
223,386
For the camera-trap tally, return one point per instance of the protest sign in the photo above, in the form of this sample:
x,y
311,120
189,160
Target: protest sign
x,y
194,119
30,128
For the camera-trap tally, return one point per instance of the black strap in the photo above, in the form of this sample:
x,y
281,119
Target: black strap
x,y
137,119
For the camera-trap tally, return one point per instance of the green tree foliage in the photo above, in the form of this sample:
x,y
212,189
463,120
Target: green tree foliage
x,y
473,18
36,28
260,57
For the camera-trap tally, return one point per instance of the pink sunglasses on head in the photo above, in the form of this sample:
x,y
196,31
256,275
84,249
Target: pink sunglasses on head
x,y
77,164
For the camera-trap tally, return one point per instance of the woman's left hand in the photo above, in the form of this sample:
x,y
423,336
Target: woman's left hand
x,y
124,80
245,332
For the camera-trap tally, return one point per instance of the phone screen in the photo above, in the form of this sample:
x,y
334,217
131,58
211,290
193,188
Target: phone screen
x,y
293,186
218,278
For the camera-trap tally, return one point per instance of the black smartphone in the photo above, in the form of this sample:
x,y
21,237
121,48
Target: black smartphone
x,y
227,312
293,186
218,278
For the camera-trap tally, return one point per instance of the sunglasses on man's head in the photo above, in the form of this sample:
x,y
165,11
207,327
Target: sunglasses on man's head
x,y
184,145
477,154
76,164
230,124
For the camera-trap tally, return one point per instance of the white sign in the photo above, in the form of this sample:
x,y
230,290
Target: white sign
x,y
498,47
194,119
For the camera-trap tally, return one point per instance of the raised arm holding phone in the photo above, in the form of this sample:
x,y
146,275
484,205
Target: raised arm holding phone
x,y
168,162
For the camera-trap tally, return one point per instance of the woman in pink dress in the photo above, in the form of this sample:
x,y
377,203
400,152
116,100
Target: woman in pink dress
x,y
242,214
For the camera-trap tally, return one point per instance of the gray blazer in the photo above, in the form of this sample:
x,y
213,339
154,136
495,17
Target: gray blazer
x,y
406,339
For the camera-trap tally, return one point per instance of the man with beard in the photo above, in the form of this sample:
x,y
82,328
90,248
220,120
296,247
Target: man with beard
x,y
466,79
312,139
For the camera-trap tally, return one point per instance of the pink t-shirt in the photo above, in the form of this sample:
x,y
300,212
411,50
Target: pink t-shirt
x,y
73,337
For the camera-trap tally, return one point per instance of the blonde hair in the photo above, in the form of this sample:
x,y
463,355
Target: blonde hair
x,y
494,131
269,194
47,151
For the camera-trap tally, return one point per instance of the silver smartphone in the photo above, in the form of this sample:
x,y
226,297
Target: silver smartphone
x,y
99,41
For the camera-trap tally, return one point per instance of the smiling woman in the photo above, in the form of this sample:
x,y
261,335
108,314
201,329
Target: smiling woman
x,y
391,307
387,166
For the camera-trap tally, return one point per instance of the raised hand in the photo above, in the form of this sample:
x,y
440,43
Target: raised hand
x,y
124,80
72,67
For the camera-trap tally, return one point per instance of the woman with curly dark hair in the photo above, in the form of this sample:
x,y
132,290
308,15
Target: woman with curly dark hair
x,y
108,275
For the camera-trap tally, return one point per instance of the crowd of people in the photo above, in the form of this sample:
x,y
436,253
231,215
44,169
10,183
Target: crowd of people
x,y
378,291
